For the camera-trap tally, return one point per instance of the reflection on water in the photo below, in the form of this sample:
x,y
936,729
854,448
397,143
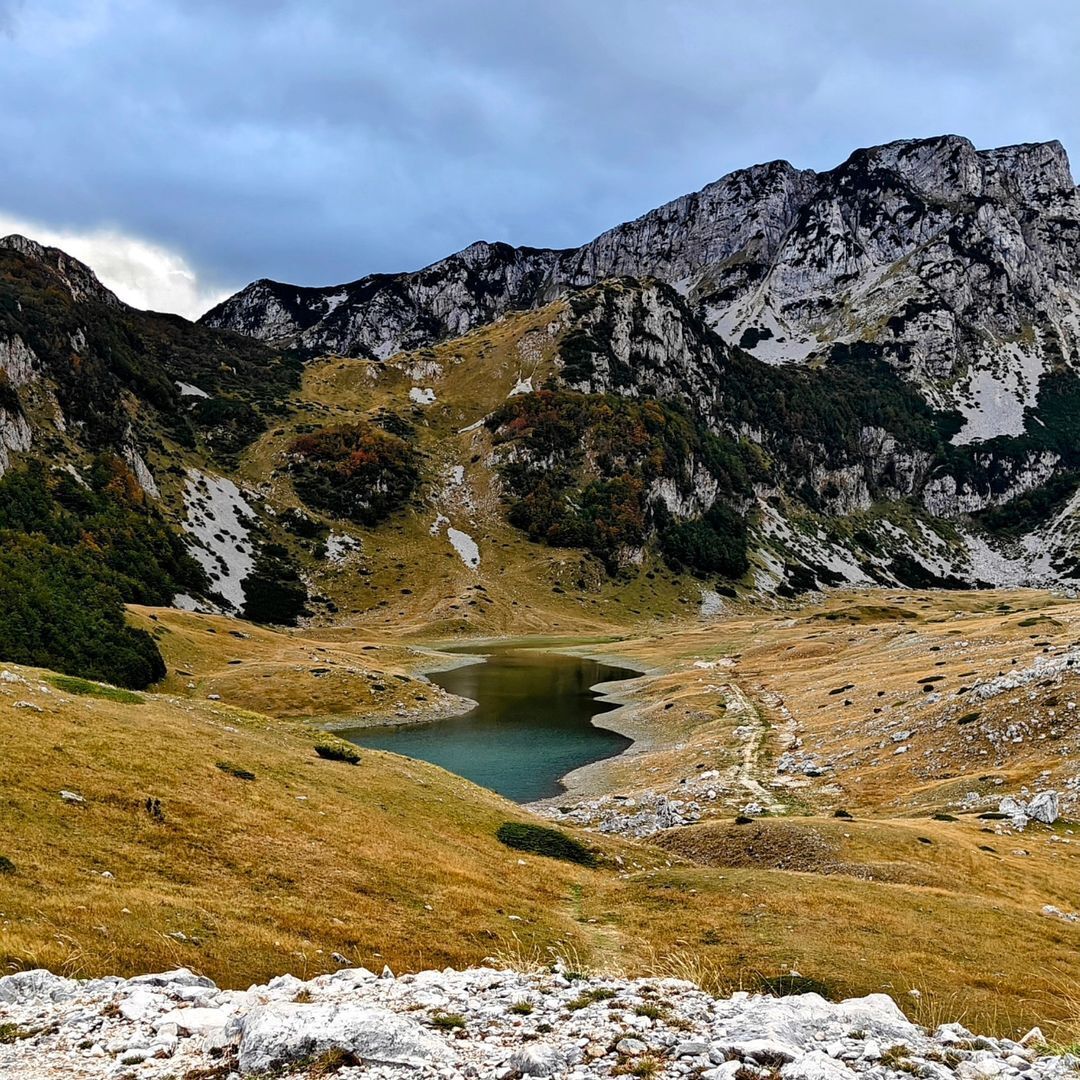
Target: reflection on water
x,y
530,726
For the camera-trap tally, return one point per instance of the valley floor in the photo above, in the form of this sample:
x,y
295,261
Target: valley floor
x,y
915,714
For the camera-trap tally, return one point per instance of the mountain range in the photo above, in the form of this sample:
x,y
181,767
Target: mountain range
x,y
786,381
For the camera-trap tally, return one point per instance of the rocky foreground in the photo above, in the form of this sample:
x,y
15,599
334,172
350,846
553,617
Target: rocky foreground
x,y
478,1023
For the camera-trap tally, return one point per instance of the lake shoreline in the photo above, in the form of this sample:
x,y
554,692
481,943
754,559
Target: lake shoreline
x,y
538,700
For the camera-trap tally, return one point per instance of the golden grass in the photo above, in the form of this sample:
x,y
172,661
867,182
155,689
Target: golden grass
x,y
388,862
395,862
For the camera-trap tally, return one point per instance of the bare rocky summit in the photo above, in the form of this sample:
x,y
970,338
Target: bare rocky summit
x,y
962,266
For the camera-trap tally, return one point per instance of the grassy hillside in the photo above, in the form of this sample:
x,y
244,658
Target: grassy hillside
x,y
174,858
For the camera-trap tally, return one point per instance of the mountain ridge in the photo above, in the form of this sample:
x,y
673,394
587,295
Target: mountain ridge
x,y
867,376
925,247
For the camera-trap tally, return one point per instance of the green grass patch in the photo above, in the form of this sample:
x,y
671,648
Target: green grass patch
x,y
590,997
71,684
540,840
447,1021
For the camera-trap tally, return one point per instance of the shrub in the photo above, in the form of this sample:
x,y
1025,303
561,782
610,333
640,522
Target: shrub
x,y
447,1021
337,750
59,610
274,592
714,544
6,865
590,997
235,770
540,840
355,471
70,557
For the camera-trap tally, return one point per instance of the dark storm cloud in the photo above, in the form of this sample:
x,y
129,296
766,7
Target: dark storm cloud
x,y
317,141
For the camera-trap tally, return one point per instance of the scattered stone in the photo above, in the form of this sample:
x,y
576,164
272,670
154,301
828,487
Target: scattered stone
x,y
176,1024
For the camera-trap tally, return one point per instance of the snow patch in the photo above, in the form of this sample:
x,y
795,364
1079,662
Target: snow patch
x,y
217,516
422,395
335,301
522,386
997,396
190,390
465,546
339,546
711,604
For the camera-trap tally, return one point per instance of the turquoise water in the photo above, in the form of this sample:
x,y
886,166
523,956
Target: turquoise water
x,y
531,724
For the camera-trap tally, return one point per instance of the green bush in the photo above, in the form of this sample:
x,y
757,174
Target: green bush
x,y
540,840
70,557
355,471
713,545
274,592
337,750
6,865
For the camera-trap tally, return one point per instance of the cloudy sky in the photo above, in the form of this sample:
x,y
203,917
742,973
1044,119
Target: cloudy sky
x,y
186,147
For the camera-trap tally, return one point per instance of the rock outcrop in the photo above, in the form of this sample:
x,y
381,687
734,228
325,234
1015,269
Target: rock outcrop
x,y
961,265
479,1023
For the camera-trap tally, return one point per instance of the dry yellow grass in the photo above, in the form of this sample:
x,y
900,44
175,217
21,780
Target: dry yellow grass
x,y
389,861
394,861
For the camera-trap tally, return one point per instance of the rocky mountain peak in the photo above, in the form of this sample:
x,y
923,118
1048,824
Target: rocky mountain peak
x,y
949,167
960,267
75,276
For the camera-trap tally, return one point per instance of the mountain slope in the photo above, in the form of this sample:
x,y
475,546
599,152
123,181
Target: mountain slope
x,y
962,265
779,389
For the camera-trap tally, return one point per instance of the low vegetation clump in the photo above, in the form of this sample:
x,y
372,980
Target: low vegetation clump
x,y
447,1021
330,1063
274,591
338,750
235,770
355,471
540,840
6,865
71,684
590,997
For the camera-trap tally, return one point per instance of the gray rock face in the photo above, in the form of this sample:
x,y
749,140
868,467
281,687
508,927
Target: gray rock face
x,y
283,1032
962,266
